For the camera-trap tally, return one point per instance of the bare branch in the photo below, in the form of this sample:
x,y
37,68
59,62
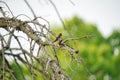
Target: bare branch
x,y
30,8
7,7
86,36
36,60
54,6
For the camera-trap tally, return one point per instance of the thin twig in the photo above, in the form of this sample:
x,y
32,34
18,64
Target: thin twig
x,y
69,39
72,2
55,54
55,8
3,58
30,8
7,7
3,13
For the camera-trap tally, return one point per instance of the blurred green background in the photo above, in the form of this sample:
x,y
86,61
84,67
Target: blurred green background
x,y
100,56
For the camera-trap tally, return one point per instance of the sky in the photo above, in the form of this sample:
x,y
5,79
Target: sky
x,y
103,13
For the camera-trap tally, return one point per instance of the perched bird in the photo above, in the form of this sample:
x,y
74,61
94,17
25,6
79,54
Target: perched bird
x,y
58,38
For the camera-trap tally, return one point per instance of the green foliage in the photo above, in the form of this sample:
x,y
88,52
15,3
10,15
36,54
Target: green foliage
x,y
97,52
20,70
17,72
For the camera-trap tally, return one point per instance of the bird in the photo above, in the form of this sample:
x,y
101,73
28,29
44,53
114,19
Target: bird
x,y
58,38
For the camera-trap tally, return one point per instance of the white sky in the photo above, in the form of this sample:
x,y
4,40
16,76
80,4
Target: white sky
x,y
104,13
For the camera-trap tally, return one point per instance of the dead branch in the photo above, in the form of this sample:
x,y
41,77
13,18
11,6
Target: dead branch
x,y
36,37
